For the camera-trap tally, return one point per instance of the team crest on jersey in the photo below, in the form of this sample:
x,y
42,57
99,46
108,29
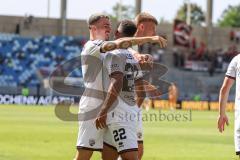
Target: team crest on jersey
x,y
129,56
139,135
92,142
114,66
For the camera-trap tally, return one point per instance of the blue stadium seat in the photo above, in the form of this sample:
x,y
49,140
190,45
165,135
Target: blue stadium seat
x,y
22,57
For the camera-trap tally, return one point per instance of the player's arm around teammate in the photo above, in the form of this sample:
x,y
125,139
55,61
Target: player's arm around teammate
x,y
124,43
89,139
100,28
121,136
146,26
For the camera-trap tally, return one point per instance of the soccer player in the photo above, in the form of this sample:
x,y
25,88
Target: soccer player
x,y
119,79
172,96
232,75
89,138
111,149
146,26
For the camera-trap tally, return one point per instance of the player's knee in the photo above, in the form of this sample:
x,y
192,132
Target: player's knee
x,y
79,157
130,156
83,155
109,156
140,151
109,153
140,154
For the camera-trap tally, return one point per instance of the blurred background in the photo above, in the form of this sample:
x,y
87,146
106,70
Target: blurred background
x,y
203,36
37,36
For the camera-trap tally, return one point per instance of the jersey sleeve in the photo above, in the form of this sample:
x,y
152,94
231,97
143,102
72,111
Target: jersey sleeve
x,y
114,63
231,71
138,73
93,48
135,48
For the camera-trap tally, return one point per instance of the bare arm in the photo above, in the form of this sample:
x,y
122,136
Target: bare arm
x,y
224,93
223,98
142,87
127,42
113,91
145,60
140,92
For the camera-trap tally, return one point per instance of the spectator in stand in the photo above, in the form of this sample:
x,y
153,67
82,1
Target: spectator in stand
x,y
237,36
17,30
182,59
219,59
232,35
191,55
194,43
200,51
175,57
172,95
212,64
157,57
232,51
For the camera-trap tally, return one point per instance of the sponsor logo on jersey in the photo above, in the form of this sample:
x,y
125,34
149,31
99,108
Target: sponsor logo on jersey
x,y
139,135
92,142
130,98
129,56
114,66
120,144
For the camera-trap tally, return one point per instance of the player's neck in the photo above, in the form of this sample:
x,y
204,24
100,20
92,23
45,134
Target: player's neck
x,y
95,37
92,36
138,34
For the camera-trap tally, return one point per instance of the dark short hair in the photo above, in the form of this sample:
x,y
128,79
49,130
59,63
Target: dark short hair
x,y
145,17
127,28
96,17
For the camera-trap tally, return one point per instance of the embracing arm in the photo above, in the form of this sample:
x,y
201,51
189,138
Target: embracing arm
x,y
140,92
142,87
127,42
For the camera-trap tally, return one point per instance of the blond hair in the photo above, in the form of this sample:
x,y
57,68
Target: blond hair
x,y
145,17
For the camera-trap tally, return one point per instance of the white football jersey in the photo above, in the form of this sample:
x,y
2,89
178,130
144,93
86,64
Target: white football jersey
x,y
91,58
233,72
121,60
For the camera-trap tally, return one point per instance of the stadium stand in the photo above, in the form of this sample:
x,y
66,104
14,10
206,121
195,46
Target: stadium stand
x,y
191,83
22,57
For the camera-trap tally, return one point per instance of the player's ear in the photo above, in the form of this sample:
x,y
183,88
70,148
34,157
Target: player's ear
x,y
116,34
141,26
93,27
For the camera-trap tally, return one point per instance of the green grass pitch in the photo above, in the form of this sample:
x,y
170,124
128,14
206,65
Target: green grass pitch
x,y
34,133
